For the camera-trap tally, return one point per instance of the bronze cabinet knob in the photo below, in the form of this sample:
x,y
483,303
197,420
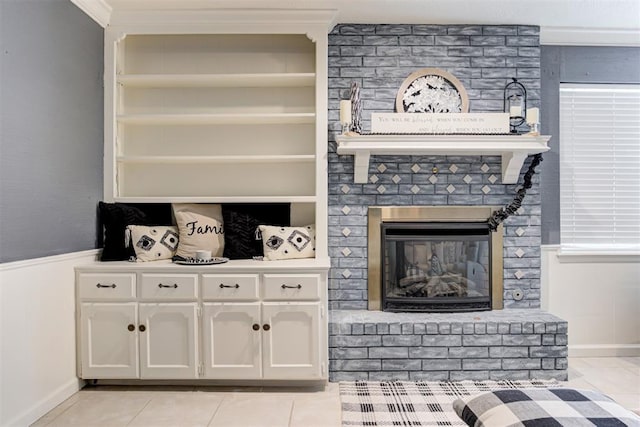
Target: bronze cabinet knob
x,y
266,327
256,327
142,328
131,328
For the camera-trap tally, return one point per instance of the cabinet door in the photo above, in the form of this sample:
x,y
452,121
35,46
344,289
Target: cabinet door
x,y
168,340
291,343
231,337
108,340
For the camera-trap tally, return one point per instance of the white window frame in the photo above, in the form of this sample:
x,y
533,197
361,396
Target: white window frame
x,y
600,188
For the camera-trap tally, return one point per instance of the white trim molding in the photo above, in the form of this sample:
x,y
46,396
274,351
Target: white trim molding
x,y
14,265
98,10
578,36
604,350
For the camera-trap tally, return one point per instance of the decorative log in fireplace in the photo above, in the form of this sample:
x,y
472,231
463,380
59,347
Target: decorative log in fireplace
x,y
434,259
436,266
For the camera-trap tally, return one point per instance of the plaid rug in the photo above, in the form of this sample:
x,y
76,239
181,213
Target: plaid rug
x,y
421,403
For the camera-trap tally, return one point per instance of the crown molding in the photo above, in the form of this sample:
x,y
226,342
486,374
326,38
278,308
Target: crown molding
x,y
579,36
98,10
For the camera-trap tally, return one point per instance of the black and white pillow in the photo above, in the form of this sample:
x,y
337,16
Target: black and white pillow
x,y
288,242
153,243
542,408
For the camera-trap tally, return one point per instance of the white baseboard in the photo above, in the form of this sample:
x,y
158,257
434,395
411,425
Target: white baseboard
x,y
605,350
46,404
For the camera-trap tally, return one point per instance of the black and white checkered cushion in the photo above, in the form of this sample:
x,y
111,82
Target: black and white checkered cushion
x,y
543,408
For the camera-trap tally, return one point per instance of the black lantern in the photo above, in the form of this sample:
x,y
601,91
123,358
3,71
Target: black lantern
x,y
515,103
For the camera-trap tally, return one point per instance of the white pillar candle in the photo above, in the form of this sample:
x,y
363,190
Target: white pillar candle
x,y
345,112
533,115
515,111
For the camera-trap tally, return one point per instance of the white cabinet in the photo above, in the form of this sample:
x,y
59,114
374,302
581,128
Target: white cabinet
x,y
291,342
262,339
257,321
108,340
168,340
231,340
138,339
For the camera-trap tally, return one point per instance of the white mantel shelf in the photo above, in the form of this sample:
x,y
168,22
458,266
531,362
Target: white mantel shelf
x,y
514,149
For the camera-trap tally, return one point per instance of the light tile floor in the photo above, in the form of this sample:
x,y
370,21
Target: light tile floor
x,y
115,406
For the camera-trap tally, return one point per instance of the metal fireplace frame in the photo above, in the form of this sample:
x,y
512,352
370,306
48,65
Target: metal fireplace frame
x,y
377,215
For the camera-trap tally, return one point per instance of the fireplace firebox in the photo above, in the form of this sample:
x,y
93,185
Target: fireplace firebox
x,y
434,259
436,266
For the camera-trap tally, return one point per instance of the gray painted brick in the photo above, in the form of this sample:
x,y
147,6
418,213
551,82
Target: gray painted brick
x,y
487,41
548,363
499,352
529,51
516,328
520,340
468,352
441,365
348,353
380,40
521,363
388,352
480,328
395,329
468,328
451,40
468,30
401,340
548,351
548,339
429,29
444,328
346,40
347,376
407,328
502,51
441,340
492,328
481,364
562,328
383,328
419,41
432,328
428,352
494,30
562,363
465,51
370,329
357,329
481,340
355,341
561,339
523,41
401,364
393,29
456,328
394,51
357,365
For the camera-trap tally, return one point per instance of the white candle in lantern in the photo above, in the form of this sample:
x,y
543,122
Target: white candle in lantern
x,y
515,111
345,112
533,115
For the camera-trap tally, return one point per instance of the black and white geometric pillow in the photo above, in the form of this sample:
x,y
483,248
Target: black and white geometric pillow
x,y
288,242
153,243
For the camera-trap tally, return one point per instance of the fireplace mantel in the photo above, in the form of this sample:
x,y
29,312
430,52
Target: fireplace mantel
x,y
514,149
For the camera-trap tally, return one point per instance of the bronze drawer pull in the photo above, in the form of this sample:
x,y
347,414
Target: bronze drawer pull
x,y
256,327
291,287
222,286
266,327
131,328
112,286
174,286
142,328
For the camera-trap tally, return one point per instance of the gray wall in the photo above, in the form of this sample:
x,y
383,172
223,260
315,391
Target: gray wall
x,y
572,64
51,128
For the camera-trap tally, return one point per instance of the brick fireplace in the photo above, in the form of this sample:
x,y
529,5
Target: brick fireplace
x,y
517,342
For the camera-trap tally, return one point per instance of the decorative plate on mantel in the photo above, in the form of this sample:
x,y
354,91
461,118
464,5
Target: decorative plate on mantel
x,y
432,90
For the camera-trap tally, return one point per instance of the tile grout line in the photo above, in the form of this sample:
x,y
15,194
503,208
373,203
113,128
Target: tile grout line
x,y
293,404
216,411
58,416
139,412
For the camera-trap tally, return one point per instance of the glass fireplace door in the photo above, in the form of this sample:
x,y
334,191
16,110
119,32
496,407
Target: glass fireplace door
x,y
436,267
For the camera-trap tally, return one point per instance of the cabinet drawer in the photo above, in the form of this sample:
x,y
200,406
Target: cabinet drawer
x,y
230,287
106,287
169,286
291,287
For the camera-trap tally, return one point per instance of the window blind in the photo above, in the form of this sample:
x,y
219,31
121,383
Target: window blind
x,y
600,167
